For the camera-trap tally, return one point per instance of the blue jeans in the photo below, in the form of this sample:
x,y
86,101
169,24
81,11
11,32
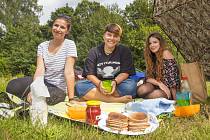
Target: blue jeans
x,y
126,87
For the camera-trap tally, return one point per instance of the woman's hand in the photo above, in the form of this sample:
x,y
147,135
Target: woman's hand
x,y
164,88
114,85
102,89
29,98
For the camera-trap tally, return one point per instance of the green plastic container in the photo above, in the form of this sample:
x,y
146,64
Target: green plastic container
x,y
107,84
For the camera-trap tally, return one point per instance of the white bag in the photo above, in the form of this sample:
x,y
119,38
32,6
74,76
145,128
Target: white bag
x,y
39,108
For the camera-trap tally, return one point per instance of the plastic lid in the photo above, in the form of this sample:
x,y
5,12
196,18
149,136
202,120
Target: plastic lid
x,y
184,77
93,102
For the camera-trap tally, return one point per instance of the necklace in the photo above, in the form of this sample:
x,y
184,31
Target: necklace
x,y
108,52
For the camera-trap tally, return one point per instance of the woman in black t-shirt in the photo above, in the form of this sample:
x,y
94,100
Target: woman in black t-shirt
x,y
108,61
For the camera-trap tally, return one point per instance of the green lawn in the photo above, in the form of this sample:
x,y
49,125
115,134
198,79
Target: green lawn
x,y
208,87
19,128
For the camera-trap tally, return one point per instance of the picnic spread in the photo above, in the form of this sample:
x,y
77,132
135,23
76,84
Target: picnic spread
x,y
138,117
77,111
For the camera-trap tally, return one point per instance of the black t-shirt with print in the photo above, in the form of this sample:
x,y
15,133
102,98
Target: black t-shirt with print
x,y
108,66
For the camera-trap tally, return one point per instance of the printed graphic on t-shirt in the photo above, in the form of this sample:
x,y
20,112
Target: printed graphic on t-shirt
x,y
108,69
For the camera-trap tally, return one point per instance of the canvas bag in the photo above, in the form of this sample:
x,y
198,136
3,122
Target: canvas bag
x,y
196,79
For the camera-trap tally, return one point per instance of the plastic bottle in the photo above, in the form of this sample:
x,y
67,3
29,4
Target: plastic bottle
x,y
39,107
184,84
183,98
39,111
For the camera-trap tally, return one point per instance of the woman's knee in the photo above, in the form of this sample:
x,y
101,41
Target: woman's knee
x,y
128,87
83,87
56,96
20,86
156,94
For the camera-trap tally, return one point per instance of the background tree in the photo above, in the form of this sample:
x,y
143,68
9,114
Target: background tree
x,y
18,47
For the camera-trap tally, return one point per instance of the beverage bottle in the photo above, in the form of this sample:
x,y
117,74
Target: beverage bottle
x,y
39,110
184,84
184,97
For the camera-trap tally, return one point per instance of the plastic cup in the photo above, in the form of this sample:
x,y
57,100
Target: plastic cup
x,y
107,84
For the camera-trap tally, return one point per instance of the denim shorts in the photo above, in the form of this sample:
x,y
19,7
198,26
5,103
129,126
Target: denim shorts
x,y
126,87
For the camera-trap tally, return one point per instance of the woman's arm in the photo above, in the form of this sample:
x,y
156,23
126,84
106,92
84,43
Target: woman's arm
x,y
69,76
39,72
94,80
121,77
152,81
40,69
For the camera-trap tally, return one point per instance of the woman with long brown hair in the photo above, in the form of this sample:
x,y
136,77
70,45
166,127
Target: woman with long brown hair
x,y
162,73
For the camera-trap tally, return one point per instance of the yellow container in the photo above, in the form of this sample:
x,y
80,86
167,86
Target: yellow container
x,y
77,112
187,111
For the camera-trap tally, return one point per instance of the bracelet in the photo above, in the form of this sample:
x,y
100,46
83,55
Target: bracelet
x,y
115,81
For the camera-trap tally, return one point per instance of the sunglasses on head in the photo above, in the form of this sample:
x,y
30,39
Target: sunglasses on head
x,y
64,16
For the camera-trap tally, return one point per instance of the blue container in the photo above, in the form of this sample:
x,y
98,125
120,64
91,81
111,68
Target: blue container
x,y
183,98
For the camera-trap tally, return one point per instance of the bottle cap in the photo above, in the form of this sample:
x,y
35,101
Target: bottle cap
x,y
93,102
184,77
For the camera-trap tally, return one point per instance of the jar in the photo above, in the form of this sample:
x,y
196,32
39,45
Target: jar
x,y
93,112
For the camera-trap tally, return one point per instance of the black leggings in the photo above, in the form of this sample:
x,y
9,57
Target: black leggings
x,y
21,87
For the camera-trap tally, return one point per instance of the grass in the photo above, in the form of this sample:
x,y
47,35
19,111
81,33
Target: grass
x,y
20,128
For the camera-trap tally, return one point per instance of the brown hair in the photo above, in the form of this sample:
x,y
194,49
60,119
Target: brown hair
x,y
66,18
113,28
150,64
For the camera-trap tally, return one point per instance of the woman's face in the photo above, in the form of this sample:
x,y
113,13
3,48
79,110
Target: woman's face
x,y
111,39
154,44
59,29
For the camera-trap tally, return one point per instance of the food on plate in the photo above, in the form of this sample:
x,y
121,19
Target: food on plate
x,y
135,122
117,121
138,121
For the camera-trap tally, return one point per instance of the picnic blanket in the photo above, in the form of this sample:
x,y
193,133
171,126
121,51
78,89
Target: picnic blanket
x,y
155,106
60,110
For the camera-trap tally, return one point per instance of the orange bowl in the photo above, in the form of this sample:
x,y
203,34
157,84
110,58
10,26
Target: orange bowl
x,y
187,111
77,113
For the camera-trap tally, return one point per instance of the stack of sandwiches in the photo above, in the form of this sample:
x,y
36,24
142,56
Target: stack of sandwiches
x,y
138,122
135,122
117,121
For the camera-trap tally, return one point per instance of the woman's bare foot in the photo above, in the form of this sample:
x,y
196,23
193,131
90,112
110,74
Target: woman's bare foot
x,y
125,99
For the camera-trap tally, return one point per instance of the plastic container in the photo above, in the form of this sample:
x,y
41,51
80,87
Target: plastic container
x,y
39,111
187,111
183,98
184,84
93,112
107,84
77,112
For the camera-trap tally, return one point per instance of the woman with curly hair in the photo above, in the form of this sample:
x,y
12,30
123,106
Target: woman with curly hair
x,y
162,73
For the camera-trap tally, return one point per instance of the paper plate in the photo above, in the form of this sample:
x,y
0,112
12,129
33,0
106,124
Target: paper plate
x,y
153,126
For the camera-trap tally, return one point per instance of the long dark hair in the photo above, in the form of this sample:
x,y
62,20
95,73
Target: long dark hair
x,y
154,60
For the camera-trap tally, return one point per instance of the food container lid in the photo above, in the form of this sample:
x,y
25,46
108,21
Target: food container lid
x,y
93,102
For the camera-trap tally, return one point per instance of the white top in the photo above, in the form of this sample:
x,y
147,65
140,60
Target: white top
x,y
55,63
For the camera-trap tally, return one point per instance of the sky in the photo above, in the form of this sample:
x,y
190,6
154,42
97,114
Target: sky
x,y
51,5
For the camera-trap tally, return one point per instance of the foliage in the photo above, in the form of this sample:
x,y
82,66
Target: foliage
x,y
18,47
88,22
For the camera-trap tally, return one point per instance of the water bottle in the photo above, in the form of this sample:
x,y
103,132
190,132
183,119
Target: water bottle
x,y
183,98
39,110
39,107
184,84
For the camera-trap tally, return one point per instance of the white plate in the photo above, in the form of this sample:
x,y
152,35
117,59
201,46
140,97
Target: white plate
x,y
153,126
